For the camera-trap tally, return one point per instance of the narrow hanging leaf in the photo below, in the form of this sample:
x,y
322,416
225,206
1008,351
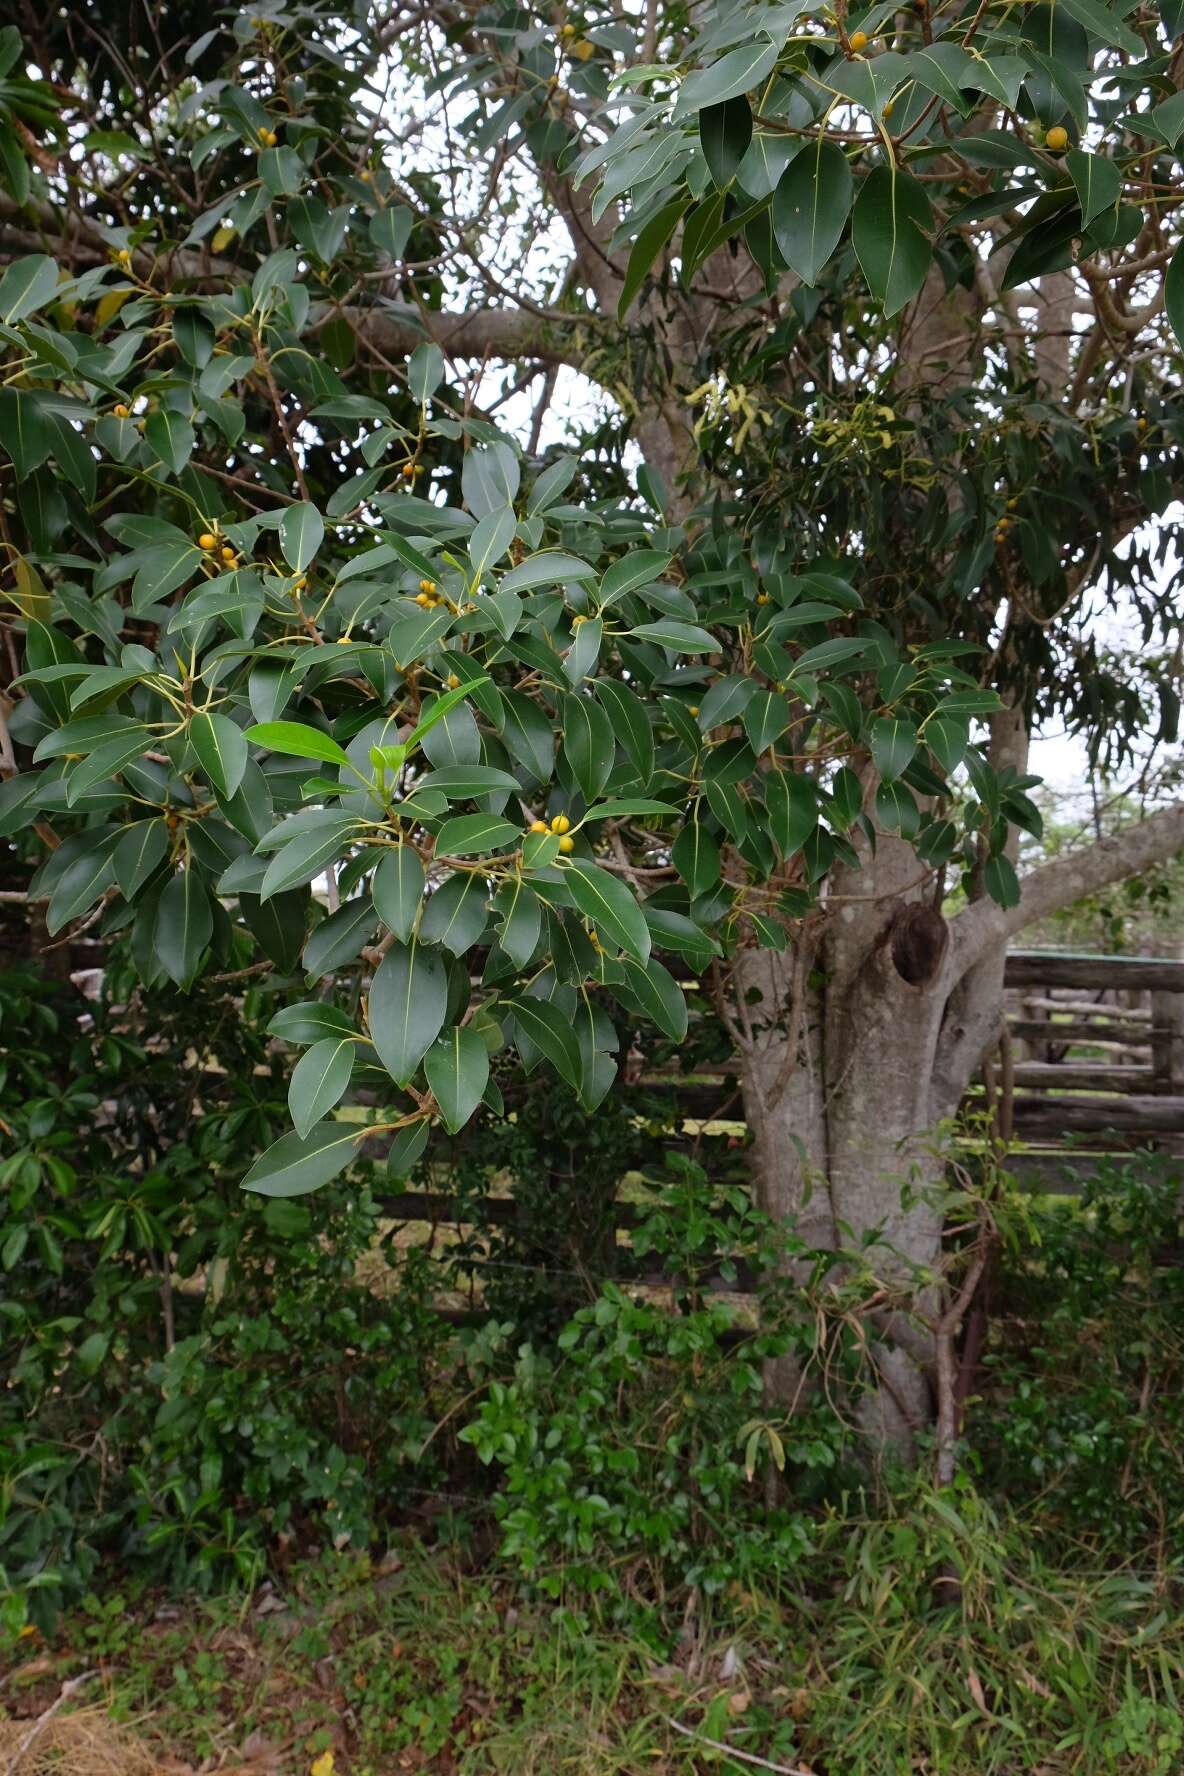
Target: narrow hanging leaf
x,y
893,746
319,1080
397,889
544,1025
183,927
645,250
1174,293
810,207
302,531
408,1002
171,437
1098,182
695,856
1001,881
765,719
139,853
725,131
457,1070
890,229
222,750
521,922
792,806
589,743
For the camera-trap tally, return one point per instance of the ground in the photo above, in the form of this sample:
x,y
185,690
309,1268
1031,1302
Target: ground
x,y
430,1662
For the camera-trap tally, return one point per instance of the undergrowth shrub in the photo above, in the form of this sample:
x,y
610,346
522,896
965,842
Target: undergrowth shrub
x,y
636,1453
195,1376
1084,1412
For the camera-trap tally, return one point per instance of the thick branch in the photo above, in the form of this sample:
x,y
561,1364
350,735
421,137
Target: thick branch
x,y
1069,878
548,337
545,336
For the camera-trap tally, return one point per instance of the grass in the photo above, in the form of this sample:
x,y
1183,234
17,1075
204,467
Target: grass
x,y
875,1668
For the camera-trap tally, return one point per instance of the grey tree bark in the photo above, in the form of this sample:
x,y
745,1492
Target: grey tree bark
x,y
855,1047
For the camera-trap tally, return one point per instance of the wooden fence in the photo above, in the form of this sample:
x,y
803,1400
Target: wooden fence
x,y
1091,1064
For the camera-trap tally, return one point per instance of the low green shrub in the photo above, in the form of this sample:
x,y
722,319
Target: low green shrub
x,y
1084,1382
637,1453
196,1378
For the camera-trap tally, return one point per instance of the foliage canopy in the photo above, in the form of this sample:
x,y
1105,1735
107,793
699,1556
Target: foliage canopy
x,y
293,605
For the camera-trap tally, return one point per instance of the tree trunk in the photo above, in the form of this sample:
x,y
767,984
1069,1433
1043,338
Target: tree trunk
x,y
856,1046
838,1063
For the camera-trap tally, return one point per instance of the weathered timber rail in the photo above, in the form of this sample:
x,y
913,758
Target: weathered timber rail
x,y
1070,1110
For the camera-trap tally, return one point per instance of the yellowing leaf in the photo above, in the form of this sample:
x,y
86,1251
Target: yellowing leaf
x,y
29,594
109,305
322,1766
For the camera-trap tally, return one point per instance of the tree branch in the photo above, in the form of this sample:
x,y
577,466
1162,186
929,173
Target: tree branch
x,y
1071,877
551,337
548,336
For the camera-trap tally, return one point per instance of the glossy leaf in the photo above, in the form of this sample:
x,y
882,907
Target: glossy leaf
x,y
810,207
890,229
302,530
221,747
407,1002
298,740
319,1081
297,1164
457,1069
184,925
397,889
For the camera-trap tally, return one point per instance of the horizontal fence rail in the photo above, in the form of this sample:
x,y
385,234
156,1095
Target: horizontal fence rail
x,y
1070,1112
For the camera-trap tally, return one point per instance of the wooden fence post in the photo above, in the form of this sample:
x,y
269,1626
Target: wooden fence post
x,y
1167,1046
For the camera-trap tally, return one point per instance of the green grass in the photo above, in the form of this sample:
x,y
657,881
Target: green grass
x,y
874,1667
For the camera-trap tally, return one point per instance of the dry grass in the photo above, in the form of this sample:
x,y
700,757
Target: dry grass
x,y
82,1742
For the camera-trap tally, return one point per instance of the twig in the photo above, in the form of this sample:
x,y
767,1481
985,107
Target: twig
x,y
745,1757
34,1733
238,974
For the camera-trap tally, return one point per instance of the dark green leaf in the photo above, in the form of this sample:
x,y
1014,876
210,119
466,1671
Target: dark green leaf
x,y
792,806
695,856
309,1021
890,230
810,207
457,1069
397,889
545,1026
645,249
725,131
736,72
893,745
222,750
469,834
296,1164
302,531
171,436
340,937
407,1005
589,744
319,1080
138,855
184,926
